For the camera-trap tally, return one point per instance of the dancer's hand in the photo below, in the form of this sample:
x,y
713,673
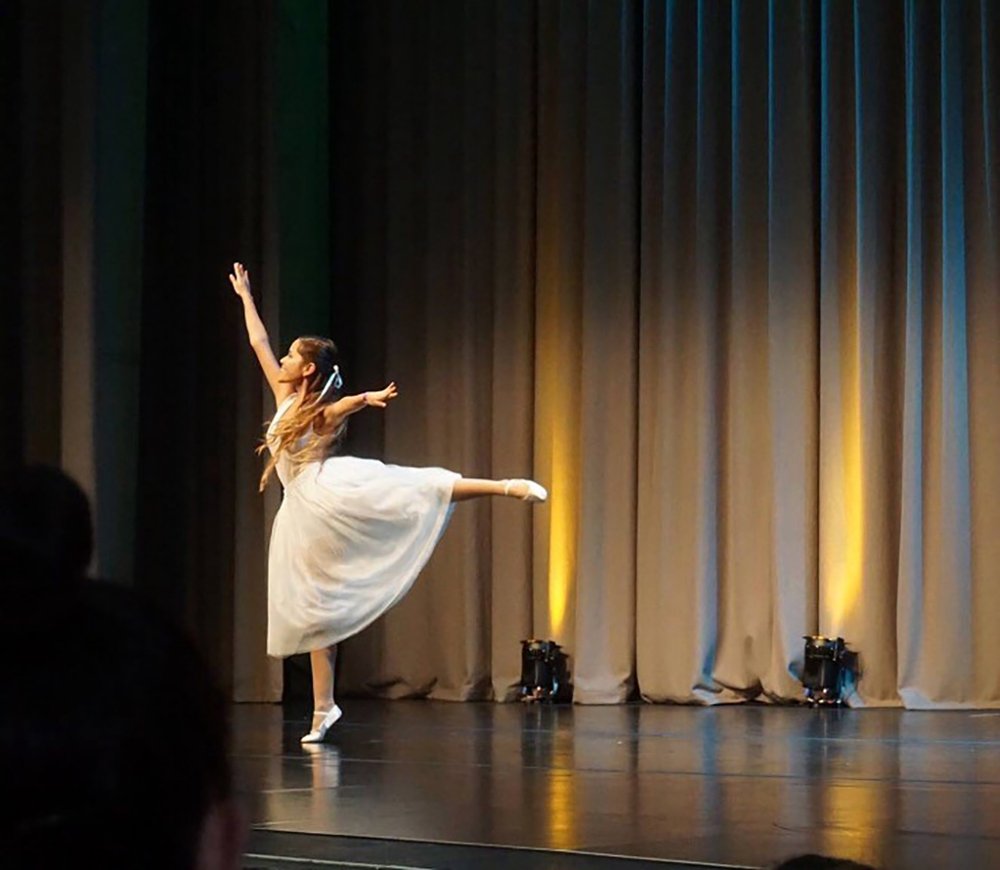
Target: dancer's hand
x,y
240,279
380,398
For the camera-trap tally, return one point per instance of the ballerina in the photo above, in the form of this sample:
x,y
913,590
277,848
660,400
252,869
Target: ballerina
x,y
351,534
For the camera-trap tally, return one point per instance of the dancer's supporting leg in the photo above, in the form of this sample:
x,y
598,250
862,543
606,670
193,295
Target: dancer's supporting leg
x,y
325,710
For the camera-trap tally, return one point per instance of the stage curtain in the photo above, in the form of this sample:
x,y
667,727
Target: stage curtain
x,y
722,275
732,268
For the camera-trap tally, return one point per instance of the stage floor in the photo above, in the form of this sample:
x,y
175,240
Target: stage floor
x,y
735,785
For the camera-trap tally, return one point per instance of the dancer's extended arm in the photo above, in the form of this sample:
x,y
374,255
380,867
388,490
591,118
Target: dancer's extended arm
x,y
335,413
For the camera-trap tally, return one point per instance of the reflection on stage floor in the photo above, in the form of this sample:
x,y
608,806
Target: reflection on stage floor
x,y
740,785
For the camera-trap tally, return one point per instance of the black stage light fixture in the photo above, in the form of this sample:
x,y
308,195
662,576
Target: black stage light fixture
x,y
544,672
828,667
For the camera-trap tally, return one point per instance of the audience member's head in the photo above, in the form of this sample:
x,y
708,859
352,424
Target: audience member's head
x,y
45,525
820,862
112,736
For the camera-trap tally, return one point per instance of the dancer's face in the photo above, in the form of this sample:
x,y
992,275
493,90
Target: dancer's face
x,y
295,367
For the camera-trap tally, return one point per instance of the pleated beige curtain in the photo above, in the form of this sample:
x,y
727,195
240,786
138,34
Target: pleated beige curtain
x,y
724,277
458,333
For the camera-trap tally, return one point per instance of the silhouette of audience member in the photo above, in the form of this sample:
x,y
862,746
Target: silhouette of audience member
x,y
820,862
45,525
112,736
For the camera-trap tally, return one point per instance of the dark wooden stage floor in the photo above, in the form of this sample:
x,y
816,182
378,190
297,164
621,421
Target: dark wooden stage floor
x,y
735,785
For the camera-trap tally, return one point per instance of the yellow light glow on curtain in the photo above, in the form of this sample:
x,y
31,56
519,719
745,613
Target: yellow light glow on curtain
x,y
846,588
842,581
557,423
562,527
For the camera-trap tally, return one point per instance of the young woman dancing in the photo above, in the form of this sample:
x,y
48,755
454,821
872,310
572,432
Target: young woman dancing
x,y
351,534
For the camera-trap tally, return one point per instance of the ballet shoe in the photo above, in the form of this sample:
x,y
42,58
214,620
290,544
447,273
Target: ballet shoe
x,y
534,492
317,734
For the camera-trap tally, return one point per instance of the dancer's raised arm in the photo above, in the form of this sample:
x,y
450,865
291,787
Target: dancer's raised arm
x,y
257,334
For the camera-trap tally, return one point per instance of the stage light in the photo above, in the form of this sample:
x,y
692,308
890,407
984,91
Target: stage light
x,y
544,672
829,665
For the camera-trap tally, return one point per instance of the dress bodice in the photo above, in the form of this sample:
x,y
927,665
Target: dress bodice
x,y
282,465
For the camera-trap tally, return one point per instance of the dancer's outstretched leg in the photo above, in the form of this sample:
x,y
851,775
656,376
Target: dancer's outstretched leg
x,y
472,487
325,710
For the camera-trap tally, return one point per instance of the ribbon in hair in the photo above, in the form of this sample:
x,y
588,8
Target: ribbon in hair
x,y
334,379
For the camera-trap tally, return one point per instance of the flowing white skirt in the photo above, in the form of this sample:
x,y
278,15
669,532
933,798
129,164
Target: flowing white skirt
x,y
348,541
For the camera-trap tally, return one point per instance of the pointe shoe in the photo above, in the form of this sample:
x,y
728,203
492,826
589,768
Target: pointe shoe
x,y
533,492
317,734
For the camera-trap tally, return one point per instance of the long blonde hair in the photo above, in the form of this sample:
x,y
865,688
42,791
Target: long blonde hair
x,y
298,422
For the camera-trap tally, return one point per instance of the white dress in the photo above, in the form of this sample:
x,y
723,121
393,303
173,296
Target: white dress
x,y
348,541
